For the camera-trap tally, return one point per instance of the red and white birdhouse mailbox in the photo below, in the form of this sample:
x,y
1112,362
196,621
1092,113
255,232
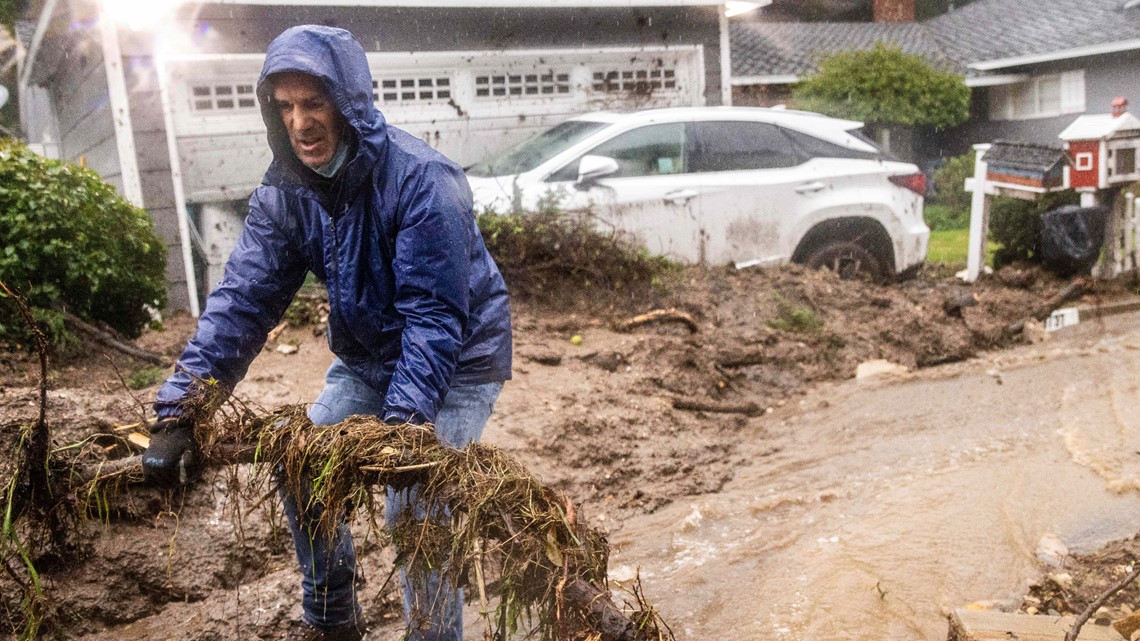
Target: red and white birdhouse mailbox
x,y
1102,148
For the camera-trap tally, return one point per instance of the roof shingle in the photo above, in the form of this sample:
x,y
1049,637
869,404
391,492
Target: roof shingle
x,y
984,30
778,48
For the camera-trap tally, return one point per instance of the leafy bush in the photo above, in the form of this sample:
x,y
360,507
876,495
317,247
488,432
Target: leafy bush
x,y
1016,226
885,85
949,182
548,253
70,243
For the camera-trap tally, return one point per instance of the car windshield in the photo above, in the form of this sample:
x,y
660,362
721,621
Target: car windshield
x,y
534,151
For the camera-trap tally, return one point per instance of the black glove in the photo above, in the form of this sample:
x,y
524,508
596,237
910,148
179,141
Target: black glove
x,y
172,458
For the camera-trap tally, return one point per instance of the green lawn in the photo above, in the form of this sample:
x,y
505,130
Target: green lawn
x,y
948,246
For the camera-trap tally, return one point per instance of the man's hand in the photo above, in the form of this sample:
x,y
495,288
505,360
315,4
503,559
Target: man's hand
x,y
172,458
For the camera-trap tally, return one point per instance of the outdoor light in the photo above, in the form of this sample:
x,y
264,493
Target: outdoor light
x,y
737,8
137,15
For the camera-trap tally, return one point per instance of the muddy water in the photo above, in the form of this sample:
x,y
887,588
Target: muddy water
x,y
876,507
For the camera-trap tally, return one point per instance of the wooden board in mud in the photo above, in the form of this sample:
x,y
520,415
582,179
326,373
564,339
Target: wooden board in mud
x,y
986,625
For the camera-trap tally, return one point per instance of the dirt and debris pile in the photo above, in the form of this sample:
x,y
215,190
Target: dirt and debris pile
x,y
1068,588
595,413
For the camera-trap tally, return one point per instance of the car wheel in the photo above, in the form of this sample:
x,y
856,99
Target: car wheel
x,y
847,259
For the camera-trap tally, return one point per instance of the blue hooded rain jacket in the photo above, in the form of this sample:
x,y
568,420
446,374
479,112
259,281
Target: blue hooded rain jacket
x,y
417,303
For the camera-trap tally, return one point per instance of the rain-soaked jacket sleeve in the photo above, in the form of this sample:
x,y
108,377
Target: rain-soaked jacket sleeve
x,y
263,273
432,271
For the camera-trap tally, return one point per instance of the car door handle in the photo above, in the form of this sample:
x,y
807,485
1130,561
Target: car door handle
x,y
680,197
810,188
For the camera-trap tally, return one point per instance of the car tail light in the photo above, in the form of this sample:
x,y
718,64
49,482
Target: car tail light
x,y
914,182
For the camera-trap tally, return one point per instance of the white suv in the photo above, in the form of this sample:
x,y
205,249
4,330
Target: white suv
x,y
717,185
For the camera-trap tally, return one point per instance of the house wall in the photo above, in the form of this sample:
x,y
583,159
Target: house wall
x,y
1106,77
153,156
76,83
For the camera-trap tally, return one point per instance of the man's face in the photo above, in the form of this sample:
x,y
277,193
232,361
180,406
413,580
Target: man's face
x,y
310,116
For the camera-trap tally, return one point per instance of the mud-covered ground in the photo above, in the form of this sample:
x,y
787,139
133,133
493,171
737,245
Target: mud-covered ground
x,y
591,410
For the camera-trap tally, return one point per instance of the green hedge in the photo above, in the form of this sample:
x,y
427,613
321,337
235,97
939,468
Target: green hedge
x,y
71,243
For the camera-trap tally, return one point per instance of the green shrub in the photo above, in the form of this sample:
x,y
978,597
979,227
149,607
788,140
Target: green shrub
x,y
949,182
884,85
71,243
551,252
1016,226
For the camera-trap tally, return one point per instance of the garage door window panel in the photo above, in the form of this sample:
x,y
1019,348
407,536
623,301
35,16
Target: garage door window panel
x,y
737,146
656,150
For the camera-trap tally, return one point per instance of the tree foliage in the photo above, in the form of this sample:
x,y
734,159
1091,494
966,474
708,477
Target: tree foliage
x,y
69,242
886,86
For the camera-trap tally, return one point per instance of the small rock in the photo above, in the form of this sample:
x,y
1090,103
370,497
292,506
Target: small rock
x,y
1051,550
609,361
287,349
878,367
1064,580
1035,333
1031,610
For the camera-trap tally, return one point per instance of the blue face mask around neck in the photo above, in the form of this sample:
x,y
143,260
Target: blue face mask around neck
x,y
329,169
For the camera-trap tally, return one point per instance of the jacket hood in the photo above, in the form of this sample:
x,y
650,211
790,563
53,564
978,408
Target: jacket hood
x,y
334,56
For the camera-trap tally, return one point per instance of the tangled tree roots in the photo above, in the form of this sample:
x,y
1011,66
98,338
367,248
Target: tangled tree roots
x,y
488,518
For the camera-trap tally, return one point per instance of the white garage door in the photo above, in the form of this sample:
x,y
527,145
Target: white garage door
x,y
466,104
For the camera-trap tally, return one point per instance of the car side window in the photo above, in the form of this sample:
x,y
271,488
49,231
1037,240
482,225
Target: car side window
x,y
653,150
734,146
813,147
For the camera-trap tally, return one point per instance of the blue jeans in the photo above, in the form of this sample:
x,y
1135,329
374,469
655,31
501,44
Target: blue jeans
x,y
433,610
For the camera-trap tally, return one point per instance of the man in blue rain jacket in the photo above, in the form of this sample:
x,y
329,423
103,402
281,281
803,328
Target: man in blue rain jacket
x,y
419,319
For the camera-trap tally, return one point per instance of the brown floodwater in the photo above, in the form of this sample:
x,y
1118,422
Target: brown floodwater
x,y
876,507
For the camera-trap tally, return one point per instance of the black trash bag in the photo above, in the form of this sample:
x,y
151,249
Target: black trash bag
x,y
1071,238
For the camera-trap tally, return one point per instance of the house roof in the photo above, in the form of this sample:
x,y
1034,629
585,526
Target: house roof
x,y
1008,30
983,36
446,4
795,48
1099,126
1024,156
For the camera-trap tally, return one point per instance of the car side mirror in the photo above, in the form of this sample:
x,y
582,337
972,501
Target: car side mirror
x,y
591,168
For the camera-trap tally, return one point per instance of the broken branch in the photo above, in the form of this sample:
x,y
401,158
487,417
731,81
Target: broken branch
x,y
660,316
1052,303
715,407
108,340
